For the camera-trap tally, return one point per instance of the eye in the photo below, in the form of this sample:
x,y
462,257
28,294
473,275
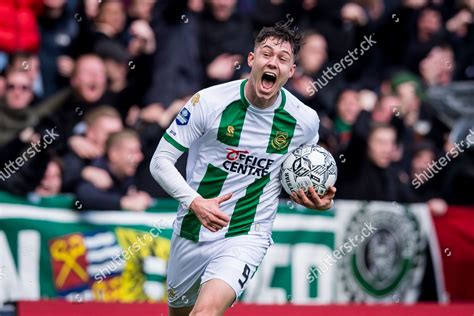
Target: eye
x,y
266,54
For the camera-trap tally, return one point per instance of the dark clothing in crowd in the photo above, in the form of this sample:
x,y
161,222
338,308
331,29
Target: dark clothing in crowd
x,y
233,36
458,184
23,165
187,39
56,37
368,182
93,198
72,173
70,113
179,73
359,178
150,135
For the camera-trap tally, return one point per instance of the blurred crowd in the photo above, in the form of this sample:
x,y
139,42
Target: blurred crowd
x,y
106,78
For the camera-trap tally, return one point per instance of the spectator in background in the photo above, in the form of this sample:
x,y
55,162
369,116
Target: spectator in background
x,y
19,30
347,109
269,12
26,157
100,123
225,40
30,64
386,107
59,29
182,68
51,182
123,154
15,111
20,127
422,187
338,21
110,23
312,61
129,63
437,68
116,60
458,175
418,117
460,27
367,172
104,22
88,90
429,32
148,83
140,10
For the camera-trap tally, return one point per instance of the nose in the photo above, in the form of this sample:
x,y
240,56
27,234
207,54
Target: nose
x,y
272,62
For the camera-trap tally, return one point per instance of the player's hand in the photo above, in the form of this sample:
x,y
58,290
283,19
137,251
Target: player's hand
x,y
314,201
209,213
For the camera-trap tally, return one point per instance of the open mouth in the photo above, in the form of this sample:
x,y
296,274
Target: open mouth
x,y
268,80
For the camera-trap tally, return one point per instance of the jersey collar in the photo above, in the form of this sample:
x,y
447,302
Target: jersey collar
x,y
247,103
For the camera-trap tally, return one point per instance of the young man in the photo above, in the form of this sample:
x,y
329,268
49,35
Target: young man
x,y
238,135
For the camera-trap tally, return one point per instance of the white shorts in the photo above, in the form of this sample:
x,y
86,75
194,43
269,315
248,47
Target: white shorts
x,y
233,260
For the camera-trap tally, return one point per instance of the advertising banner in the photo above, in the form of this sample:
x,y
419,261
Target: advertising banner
x,y
362,252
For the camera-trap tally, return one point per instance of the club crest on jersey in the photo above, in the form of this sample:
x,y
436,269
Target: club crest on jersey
x,y
230,131
280,140
195,98
183,117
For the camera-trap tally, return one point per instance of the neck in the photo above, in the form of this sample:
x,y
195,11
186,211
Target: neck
x,y
254,99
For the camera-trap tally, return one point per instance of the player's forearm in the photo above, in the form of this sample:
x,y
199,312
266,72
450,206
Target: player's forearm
x,y
162,168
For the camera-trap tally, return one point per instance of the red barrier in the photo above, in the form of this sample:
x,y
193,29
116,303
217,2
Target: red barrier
x,y
51,308
455,232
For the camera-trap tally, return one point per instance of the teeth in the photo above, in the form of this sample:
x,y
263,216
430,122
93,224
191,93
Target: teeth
x,y
270,74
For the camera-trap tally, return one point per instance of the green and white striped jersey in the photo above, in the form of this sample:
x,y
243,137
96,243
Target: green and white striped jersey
x,y
239,148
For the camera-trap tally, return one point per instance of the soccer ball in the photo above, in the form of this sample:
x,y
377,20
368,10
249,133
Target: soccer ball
x,y
309,165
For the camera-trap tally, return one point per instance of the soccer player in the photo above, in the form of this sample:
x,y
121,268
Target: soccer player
x,y
238,134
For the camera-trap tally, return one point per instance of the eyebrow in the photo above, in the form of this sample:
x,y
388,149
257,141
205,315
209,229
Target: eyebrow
x,y
283,51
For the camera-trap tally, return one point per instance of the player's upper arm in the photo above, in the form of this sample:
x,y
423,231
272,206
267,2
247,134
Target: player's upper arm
x,y
312,123
189,125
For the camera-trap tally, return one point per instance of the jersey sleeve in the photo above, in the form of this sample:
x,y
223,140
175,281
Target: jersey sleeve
x,y
189,124
313,134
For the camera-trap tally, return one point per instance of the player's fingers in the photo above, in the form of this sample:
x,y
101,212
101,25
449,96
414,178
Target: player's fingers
x,y
295,198
315,196
331,192
305,199
217,222
210,227
215,227
223,198
222,216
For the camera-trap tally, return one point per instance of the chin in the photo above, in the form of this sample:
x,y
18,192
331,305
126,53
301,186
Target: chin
x,y
267,95
91,96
